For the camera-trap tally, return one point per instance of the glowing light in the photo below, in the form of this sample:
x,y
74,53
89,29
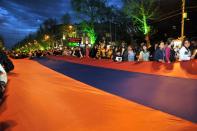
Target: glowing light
x,y
70,27
90,32
64,38
46,37
185,15
41,48
73,44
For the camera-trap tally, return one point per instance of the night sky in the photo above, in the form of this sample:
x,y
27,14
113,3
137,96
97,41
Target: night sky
x,y
18,18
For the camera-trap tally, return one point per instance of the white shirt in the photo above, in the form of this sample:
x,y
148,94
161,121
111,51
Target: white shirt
x,y
3,76
184,54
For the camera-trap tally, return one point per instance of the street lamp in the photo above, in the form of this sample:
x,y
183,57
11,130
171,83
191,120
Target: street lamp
x,y
70,27
46,37
184,15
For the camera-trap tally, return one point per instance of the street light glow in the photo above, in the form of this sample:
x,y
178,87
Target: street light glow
x,y
46,37
70,27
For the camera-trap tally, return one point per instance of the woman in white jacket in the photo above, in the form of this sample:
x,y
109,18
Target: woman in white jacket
x,y
3,81
185,53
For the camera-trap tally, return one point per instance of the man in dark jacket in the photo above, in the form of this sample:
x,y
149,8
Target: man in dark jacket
x,y
152,51
124,52
160,53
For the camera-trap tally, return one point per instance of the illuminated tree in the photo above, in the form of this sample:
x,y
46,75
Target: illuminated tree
x,y
96,12
69,31
89,30
141,11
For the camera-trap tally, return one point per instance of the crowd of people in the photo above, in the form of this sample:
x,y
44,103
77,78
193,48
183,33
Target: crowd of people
x,y
6,66
32,54
165,52
161,52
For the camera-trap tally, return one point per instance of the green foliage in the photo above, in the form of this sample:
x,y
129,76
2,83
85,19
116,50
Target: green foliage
x,y
141,11
43,45
89,30
73,44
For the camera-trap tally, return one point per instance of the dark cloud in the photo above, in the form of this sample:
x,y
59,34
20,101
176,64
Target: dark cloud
x,y
42,8
21,17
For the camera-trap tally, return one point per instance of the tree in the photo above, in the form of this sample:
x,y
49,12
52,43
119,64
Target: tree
x,y
141,12
48,25
47,28
66,19
90,9
89,31
1,43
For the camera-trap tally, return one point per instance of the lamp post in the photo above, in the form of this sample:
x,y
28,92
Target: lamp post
x,y
183,19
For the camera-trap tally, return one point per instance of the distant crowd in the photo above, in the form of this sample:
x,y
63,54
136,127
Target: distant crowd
x,y
162,52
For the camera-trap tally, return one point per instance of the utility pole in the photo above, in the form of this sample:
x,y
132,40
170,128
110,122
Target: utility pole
x,y
184,15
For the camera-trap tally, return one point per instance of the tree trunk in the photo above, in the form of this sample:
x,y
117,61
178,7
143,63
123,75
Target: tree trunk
x,y
147,38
